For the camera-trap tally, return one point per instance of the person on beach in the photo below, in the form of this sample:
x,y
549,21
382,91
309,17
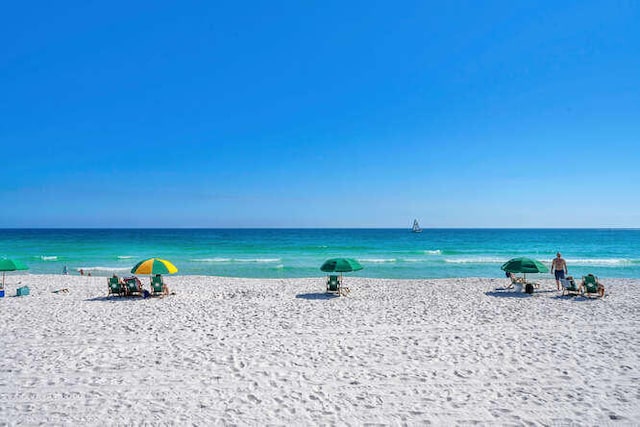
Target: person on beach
x,y
165,288
514,279
65,270
559,268
600,289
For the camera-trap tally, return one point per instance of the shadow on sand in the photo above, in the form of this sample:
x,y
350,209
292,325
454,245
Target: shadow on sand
x,y
116,298
501,293
510,293
318,296
575,297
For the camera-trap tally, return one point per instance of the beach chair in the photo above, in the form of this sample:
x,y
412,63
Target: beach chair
x,y
569,286
516,282
591,286
115,287
333,284
132,286
157,285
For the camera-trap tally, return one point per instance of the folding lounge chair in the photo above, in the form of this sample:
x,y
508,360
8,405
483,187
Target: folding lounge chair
x,y
333,284
569,286
517,283
133,286
157,285
590,285
114,286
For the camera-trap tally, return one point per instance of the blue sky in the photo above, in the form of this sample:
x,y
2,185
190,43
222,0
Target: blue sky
x,y
320,114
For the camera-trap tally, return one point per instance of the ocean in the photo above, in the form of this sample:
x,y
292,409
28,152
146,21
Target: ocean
x,y
295,253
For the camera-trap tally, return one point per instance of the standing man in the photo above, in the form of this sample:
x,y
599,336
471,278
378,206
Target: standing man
x,y
559,268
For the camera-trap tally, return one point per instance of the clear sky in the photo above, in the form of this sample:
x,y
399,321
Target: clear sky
x,y
320,114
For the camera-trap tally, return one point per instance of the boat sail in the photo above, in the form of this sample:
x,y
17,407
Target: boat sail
x,y
416,227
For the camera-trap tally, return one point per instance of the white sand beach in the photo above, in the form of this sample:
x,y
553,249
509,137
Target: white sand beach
x,y
256,352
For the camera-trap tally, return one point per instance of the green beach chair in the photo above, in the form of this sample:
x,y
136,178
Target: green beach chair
x,y
115,287
157,285
133,286
333,284
569,286
590,284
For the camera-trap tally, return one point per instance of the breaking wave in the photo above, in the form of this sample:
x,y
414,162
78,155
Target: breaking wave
x,y
476,260
102,269
602,262
247,260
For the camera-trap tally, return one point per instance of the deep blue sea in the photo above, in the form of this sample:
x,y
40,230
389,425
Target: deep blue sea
x,y
291,253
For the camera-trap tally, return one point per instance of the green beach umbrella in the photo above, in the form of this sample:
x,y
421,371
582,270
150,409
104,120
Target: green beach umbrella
x,y
524,265
340,265
154,266
7,264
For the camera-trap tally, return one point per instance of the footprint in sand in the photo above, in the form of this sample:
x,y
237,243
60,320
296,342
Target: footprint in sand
x,y
463,374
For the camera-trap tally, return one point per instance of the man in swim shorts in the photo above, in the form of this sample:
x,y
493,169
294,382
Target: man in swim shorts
x,y
559,268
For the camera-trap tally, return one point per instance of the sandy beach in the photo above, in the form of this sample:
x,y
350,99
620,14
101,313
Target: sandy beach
x,y
270,351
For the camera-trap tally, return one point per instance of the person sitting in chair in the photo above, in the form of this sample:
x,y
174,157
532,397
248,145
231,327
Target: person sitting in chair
x,y
165,289
515,279
600,289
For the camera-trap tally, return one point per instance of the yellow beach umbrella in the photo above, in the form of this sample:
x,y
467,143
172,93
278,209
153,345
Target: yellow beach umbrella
x,y
154,266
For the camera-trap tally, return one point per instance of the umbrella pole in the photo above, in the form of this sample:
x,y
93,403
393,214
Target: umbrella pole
x,y
3,280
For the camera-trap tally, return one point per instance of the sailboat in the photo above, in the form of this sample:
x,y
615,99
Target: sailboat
x,y
416,227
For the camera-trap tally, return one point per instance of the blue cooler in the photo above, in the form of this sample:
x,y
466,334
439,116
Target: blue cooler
x,y
1,293
22,291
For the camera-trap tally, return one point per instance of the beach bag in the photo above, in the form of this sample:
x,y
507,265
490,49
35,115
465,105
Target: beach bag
x,y
528,288
22,291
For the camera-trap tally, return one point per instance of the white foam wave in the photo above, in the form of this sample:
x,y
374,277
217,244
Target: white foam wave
x,y
100,268
48,258
378,260
600,261
603,262
475,260
259,260
433,252
125,256
244,260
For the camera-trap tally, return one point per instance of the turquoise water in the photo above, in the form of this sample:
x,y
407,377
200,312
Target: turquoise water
x,y
289,253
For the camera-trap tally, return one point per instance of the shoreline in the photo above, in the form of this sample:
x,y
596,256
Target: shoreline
x,y
281,351
296,253
547,279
